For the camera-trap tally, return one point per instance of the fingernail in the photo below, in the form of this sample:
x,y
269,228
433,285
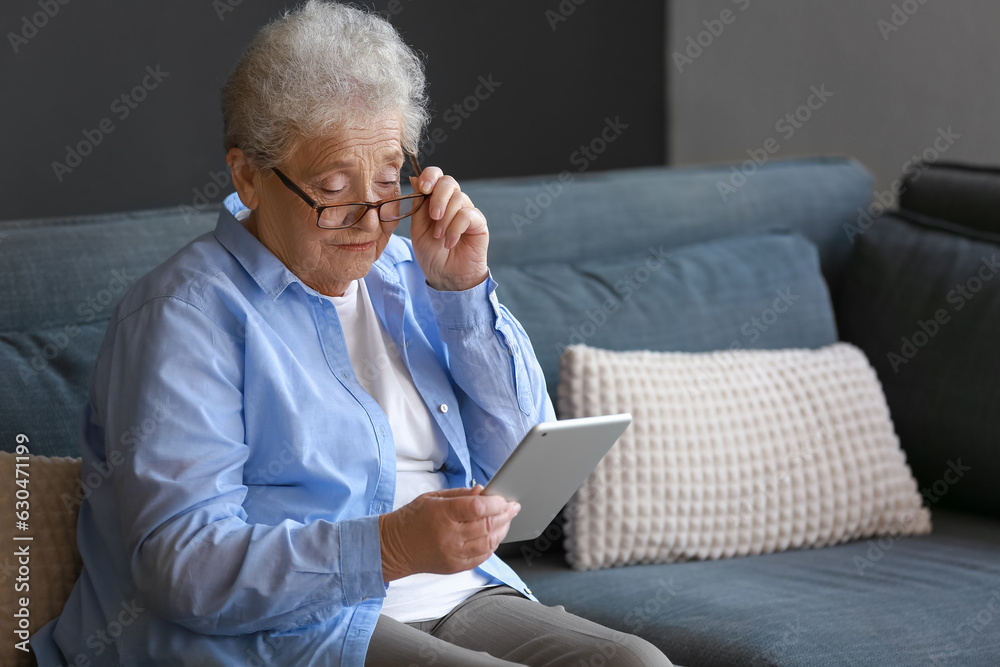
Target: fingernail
x,y
517,507
436,213
425,187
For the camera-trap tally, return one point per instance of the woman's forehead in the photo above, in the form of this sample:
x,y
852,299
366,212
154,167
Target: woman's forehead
x,y
346,147
349,152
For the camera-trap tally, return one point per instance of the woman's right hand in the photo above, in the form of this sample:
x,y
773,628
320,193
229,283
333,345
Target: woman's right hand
x,y
443,532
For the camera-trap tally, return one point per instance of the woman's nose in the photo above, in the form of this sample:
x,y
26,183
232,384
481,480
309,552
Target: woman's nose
x,y
369,221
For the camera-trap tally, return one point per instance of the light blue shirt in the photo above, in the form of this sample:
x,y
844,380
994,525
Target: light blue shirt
x,y
234,468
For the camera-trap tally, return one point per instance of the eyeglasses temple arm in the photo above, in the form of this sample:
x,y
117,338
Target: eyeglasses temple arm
x,y
415,164
294,188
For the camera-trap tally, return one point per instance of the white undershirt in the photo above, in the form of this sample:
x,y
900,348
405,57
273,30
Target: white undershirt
x,y
421,449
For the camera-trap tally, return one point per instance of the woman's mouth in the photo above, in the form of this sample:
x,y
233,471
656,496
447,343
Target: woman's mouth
x,y
356,247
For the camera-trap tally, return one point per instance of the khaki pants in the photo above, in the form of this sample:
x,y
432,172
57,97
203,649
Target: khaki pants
x,y
498,626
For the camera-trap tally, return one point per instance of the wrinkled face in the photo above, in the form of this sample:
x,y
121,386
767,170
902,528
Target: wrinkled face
x,y
360,164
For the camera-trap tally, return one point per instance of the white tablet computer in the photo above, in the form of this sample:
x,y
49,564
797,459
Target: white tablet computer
x,y
551,463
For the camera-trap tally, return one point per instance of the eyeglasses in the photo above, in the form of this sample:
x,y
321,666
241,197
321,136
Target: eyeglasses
x,y
348,214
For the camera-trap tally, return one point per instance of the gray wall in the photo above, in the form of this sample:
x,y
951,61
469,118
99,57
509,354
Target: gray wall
x,y
63,86
556,71
891,89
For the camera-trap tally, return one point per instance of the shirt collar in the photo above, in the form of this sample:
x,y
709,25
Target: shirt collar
x,y
267,270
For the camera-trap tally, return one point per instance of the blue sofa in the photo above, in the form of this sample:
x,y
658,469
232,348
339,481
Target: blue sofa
x,y
564,250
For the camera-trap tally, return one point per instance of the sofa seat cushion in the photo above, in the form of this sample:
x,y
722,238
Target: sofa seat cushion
x,y
927,600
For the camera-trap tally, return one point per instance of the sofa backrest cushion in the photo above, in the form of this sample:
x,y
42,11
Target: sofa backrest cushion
x,y
764,292
60,278
959,194
576,217
924,305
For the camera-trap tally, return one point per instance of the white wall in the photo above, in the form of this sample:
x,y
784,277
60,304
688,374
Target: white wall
x,y
892,90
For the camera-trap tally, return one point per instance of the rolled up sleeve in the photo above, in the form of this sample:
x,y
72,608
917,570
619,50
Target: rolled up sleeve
x,y
490,357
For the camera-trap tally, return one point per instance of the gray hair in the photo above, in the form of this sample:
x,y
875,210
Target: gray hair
x,y
316,71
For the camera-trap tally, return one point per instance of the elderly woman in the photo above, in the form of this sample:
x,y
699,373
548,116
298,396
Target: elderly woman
x,y
293,410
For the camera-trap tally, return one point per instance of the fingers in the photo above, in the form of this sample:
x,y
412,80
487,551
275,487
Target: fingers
x,y
441,189
476,507
427,179
444,202
450,211
456,492
482,537
466,221
452,530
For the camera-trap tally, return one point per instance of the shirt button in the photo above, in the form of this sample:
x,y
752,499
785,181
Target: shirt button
x,y
443,407
527,590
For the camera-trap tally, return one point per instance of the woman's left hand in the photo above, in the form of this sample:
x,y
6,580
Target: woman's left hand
x,y
449,234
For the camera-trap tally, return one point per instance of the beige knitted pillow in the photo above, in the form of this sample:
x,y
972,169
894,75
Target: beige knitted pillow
x,y
734,453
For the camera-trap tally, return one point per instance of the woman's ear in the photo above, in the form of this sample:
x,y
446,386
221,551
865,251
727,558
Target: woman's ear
x,y
243,177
